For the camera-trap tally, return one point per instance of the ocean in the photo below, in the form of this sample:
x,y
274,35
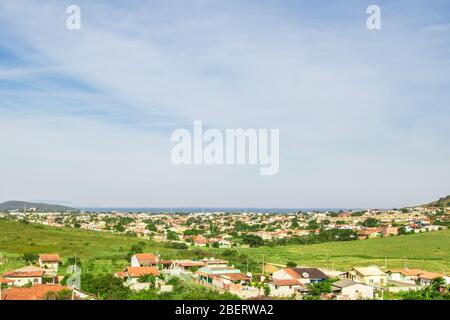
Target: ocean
x,y
209,209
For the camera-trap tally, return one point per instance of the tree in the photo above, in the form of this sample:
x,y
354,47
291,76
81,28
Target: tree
x,y
316,289
172,235
105,286
294,223
59,295
119,228
215,245
291,264
252,240
266,290
370,223
151,227
148,278
30,258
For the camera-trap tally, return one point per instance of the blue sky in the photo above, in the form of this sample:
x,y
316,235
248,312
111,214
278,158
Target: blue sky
x,y
86,115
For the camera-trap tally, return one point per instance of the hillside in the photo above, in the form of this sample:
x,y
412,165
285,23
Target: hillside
x,y
105,252
442,202
429,251
20,205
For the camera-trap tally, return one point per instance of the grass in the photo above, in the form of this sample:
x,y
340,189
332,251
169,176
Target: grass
x,y
105,252
429,251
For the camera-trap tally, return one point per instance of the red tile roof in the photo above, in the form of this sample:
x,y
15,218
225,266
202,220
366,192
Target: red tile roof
x,y
136,272
24,274
52,257
286,282
146,258
191,263
431,275
36,292
6,281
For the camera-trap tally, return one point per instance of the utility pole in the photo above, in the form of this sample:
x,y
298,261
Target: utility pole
x,y
263,266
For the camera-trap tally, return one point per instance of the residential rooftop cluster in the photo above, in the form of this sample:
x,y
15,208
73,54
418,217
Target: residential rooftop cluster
x,y
225,230
44,279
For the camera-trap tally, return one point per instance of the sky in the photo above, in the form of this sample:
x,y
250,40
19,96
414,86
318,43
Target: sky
x,y
86,115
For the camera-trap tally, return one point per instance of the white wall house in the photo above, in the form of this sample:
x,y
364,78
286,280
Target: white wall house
x,y
353,290
25,276
368,275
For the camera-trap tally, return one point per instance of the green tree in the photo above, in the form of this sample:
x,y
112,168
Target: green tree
x,y
291,264
105,286
30,258
252,240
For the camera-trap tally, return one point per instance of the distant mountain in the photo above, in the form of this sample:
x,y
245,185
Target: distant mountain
x,y
442,202
20,205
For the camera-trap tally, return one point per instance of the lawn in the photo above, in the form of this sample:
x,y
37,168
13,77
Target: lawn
x,y
106,252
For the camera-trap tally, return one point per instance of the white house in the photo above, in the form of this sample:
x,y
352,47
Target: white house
x,y
369,275
49,262
404,275
24,276
352,290
131,275
426,278
286,288
302,275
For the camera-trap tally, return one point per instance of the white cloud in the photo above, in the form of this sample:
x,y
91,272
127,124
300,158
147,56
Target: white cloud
x,y
352,106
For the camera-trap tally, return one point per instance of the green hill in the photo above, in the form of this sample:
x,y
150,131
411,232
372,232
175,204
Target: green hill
x,y
429,251
106,252
21,205
442,202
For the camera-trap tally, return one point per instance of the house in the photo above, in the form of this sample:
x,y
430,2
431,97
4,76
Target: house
x,y
186,265
131,275
286,288
369,275
404,275
389,231
24,276
35,292
303,275
49,262
200,241
368,233
144,260
6,282
227,279
215,262
426,278
352,290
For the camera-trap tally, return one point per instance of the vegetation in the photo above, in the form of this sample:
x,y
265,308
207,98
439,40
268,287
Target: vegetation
x,y
103,252
437,290
442,202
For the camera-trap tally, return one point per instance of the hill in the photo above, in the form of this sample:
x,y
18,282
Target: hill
x,y
442,202
106,252
428,251
20,205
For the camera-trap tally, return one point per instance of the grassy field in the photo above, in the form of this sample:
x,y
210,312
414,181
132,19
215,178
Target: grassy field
x,y
429,251
105,252
100,251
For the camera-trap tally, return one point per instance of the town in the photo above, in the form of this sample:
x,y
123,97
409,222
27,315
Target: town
x,y
151,275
